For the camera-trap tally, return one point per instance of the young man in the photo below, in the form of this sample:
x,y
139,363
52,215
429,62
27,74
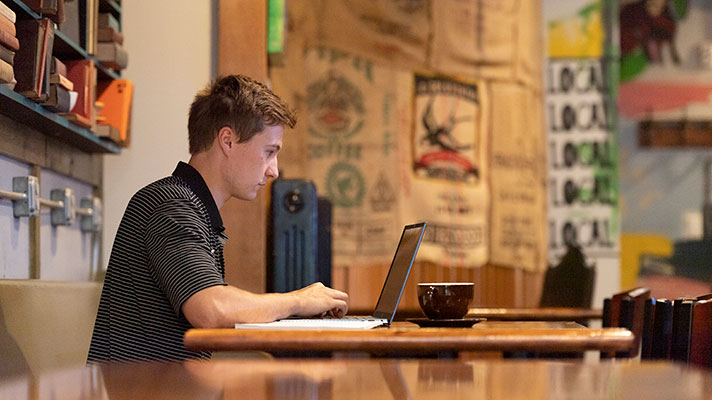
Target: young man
x,y
166,270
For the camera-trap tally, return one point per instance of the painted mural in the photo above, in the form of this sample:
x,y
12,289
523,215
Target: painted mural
x,y
666,74
583,153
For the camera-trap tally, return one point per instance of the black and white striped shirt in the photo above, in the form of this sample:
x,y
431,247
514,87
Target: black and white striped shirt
x,y
168,247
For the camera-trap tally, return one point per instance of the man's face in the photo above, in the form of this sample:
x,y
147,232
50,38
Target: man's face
x,y
253,162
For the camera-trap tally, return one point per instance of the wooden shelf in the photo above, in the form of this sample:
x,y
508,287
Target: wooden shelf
x,y
22,10
65,48
111,6
17,107
681,134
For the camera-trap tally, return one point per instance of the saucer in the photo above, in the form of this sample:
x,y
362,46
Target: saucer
x,y
444,323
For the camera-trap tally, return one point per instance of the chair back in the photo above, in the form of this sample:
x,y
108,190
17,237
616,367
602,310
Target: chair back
x,y
627,310
570,283
681,329
657,329
45,325
701,336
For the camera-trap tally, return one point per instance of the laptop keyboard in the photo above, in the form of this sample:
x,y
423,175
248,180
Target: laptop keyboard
x,y
351,317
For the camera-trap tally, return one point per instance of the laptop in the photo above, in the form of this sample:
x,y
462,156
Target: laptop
x,y
387,302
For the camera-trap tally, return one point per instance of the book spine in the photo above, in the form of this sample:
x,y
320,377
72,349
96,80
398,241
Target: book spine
x,y
92,24
7,74
7,12
106,35
7,25
59,99
7,55
43,60
58,67
9,41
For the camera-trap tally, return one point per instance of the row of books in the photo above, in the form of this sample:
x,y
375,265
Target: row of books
x,y
8,46
66,87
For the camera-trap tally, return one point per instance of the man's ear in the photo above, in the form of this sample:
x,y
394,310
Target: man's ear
x,y
226,139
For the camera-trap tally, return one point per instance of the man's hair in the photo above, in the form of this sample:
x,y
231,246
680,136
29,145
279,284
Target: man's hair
x,y
239,102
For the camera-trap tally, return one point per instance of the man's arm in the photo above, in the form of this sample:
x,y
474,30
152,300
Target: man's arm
x,y
223,306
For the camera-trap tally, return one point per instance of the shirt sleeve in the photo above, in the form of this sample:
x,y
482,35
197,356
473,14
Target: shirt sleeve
x,y
180,252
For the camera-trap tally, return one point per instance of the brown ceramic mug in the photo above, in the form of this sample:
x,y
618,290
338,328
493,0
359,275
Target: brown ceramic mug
x,y
445,300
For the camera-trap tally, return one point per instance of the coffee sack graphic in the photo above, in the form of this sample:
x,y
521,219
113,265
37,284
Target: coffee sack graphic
x,y
345,185
382,195
445,142
336,107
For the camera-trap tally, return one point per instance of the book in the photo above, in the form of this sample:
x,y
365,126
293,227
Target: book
x,y
112,55
109,34
62,81
58,100
7,55
88,12
7,74
10,85
117,97
109,132
60,16
48,7
83,75
58,67
107,20
7,12
31,61
7,25
54,9
9,41
70,26
78,120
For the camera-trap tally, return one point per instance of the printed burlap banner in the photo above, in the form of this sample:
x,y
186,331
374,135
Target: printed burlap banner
x,y
518,171
393,136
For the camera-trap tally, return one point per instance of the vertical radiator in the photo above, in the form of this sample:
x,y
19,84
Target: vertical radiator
x,y
295,256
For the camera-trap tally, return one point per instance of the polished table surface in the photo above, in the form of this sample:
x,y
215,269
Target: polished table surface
x,y
364,379
408,338
536,314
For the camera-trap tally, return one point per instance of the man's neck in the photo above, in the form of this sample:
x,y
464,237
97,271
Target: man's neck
x,y
211,175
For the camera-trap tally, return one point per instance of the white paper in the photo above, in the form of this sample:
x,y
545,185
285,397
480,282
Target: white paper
x,y
317,324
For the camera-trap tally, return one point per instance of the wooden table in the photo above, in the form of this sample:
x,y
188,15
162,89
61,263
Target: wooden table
x,y
407,338
364,379
536,314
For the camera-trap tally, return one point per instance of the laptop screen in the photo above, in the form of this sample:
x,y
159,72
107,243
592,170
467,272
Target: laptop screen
x,y
398,274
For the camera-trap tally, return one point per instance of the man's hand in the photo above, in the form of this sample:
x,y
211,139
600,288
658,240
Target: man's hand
x,y
317,299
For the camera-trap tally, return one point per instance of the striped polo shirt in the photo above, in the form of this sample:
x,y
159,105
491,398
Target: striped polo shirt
x,y
168,247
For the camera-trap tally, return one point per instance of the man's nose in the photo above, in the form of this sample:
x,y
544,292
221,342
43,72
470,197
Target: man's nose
x,y
273,170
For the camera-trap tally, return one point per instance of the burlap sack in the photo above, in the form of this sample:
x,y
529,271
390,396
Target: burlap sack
x,y
518,178
492,40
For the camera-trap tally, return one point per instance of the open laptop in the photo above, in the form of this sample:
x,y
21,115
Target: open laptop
x,y
387,302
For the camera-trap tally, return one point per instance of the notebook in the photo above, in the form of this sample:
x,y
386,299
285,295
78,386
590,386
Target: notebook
x,y
387,302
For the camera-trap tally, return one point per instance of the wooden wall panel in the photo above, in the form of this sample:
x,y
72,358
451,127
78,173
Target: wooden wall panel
x,y
242,49
494,286
242,38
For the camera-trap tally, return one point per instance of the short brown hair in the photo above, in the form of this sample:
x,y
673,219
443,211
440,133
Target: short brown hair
x,y
242,103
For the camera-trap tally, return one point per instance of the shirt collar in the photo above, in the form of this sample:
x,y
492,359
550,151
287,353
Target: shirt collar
x,y
196,183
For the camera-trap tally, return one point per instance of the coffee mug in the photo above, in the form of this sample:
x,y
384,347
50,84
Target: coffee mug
x,y
445,300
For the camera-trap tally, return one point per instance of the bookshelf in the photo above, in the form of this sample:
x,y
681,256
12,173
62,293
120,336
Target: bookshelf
x,y
110,6
25,111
